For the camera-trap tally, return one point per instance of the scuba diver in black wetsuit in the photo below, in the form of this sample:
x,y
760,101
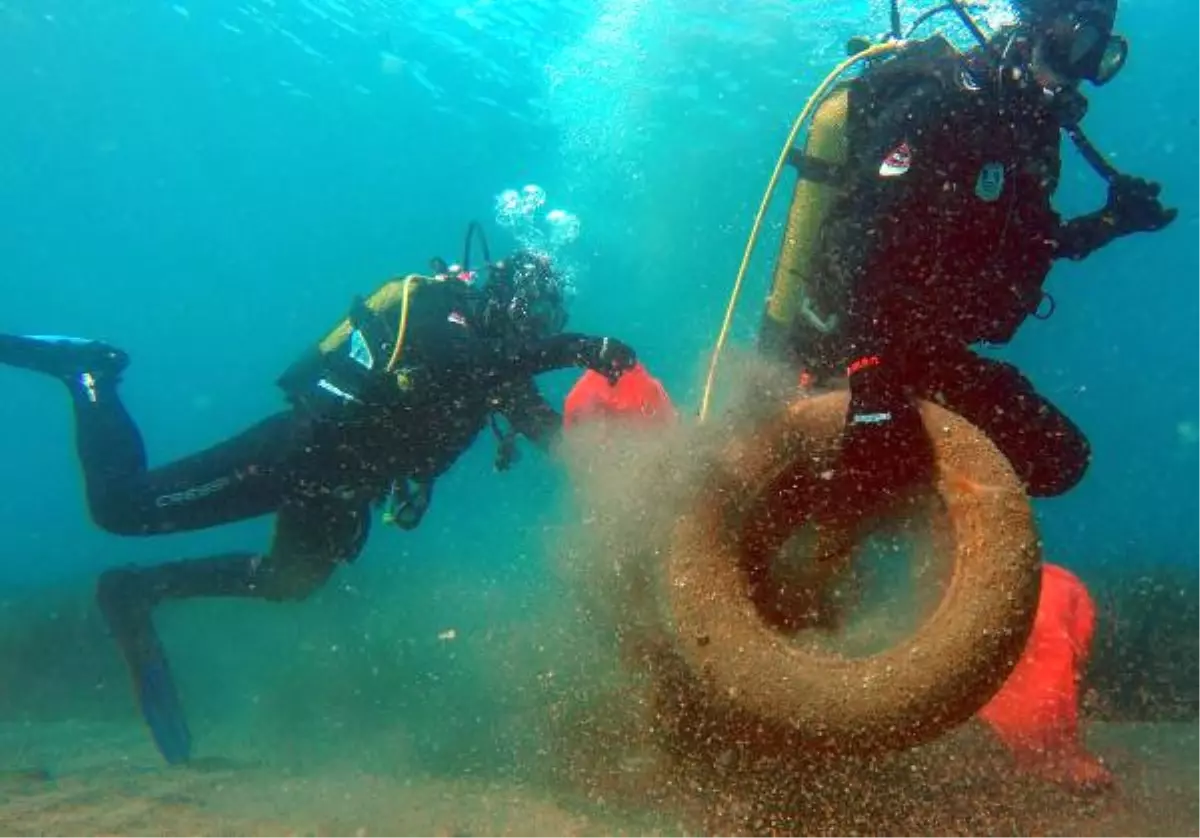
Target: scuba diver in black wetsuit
x,y
380,408
922,224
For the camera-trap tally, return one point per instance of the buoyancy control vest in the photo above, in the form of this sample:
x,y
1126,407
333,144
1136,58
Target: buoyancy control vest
x,y
358,362
815,272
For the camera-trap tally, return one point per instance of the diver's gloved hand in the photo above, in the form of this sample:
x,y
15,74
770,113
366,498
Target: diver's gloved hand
x,y
884,444
607,356
1133,206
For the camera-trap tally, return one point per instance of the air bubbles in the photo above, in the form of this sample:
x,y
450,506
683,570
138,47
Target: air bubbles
x,y
508,208
518,210
514,208
564,227
545,232
996,16
533,198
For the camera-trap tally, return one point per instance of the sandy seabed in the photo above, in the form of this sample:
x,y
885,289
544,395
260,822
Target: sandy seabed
x,y
526,685
103,779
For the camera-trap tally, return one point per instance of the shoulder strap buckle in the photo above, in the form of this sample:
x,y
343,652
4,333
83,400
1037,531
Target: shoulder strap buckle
x,y
814,168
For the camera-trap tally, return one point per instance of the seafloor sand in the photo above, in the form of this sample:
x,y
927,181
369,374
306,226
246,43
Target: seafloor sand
x,y
97,778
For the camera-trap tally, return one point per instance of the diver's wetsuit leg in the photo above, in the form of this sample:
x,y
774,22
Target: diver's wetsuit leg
x,y
312,536
243,477
1046,449
107,440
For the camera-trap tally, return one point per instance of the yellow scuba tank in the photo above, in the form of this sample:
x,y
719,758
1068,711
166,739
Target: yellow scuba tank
x,y
824,153
789,295
391,304
392,296
352,363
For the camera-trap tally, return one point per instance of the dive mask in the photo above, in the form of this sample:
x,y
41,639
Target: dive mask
x,y
541,313
535,304
1085,48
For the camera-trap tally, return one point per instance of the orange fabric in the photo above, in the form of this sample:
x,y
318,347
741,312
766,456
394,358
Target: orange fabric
x,y
1036,713
637,396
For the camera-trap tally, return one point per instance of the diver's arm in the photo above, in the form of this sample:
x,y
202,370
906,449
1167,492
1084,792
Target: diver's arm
x,y
495,362
1132,207
1080,237
530,414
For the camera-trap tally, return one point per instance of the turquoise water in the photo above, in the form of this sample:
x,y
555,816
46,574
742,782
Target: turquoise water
x,y
208,184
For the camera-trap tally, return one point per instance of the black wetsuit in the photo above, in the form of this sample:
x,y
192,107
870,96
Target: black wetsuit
x,y
943,235
380,408
318,467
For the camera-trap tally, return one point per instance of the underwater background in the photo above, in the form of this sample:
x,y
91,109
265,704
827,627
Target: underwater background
x,y
207,185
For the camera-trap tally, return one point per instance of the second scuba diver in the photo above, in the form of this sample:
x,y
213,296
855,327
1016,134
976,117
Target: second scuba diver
x,y
922,224
385,404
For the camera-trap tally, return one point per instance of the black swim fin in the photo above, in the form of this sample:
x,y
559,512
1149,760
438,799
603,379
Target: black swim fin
x,y
126,608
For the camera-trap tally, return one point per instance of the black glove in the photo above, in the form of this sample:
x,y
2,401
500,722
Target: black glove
x,y
884,444
607,356
1133,206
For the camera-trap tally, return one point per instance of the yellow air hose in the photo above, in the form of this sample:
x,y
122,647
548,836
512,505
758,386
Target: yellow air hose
x,y
809,106
402,327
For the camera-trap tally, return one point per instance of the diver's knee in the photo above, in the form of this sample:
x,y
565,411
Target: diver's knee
x,y
115,514
110,581
1061,469
290,584
115,586
290,590
125,598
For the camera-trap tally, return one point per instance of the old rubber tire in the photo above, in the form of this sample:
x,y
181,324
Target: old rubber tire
x,y
937,678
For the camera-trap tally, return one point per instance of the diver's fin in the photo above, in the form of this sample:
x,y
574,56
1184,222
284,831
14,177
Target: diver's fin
x,y
162,711
126,604
61,356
